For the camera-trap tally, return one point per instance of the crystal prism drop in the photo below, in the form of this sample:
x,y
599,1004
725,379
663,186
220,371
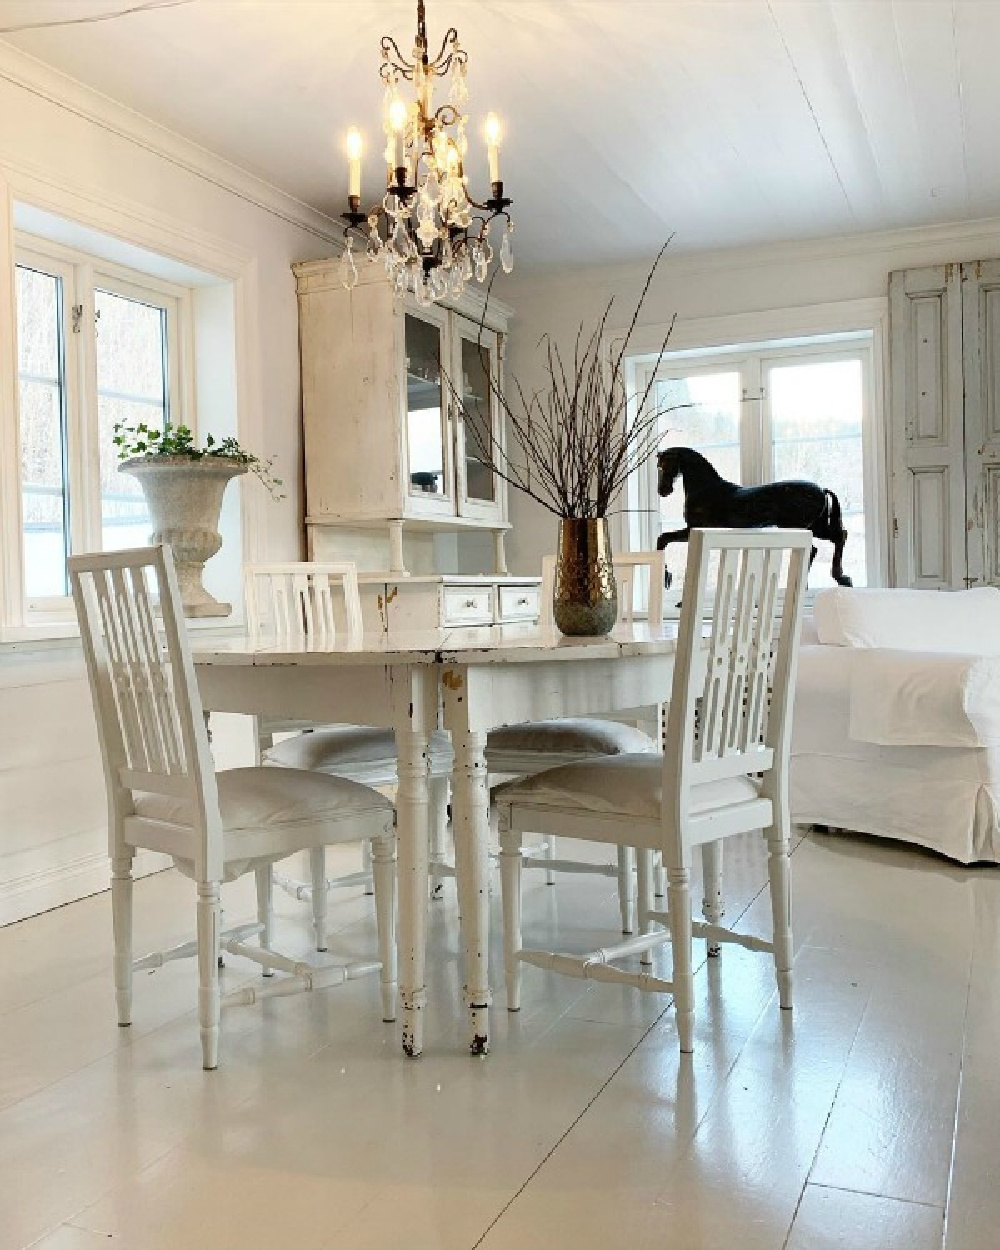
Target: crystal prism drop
x,y
506,252
348,269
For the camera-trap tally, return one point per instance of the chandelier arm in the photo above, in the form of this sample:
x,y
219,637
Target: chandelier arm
x,y
446,115
393,58
443,60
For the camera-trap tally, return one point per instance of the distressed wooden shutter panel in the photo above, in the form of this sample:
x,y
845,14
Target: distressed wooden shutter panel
x,y
927,427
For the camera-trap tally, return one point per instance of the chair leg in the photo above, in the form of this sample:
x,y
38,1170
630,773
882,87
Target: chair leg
x,y
660,876
679,905
549,852
209,996
265,909
644,898
626,863
367,866
781,910
510,890
712,907
121,922
320,899
384,870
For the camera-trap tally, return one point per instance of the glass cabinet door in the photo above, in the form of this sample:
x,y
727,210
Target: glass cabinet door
x,y
477,376
426,445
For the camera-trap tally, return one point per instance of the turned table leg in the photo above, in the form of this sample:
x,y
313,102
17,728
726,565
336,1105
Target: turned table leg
x,y
471,823
416,696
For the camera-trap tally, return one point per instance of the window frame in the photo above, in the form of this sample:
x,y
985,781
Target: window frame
x,y
82,274
752,358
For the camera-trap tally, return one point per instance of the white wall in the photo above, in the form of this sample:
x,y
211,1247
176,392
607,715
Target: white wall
x,y
698,287
77,155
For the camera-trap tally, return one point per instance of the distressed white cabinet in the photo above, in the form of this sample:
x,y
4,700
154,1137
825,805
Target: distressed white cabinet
x,y
945,424
388,453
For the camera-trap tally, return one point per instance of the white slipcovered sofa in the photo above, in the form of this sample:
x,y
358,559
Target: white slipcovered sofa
x,y
896,729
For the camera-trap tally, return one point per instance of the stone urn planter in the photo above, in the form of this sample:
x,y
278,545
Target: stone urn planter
x,y
184,497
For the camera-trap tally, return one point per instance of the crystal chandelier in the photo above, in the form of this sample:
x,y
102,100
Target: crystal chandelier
x,y
432,236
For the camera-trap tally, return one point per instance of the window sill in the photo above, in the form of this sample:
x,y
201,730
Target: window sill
x,y
65,635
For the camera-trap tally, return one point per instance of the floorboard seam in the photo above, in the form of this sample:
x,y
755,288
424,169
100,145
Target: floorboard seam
x,y
958,1097
871,1193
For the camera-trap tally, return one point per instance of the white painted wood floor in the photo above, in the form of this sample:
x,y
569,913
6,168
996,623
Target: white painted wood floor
x,y
867,1120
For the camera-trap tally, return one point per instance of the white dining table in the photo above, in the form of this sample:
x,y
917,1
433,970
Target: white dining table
x,y
470,681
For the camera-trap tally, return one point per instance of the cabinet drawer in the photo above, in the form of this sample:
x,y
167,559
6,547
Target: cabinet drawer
x,y
468,605
519,603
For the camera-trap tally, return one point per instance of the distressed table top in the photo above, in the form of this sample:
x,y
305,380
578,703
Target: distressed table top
x,y
481,644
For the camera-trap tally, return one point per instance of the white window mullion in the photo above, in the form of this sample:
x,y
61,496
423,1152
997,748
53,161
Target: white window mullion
x,y
754,430
86,483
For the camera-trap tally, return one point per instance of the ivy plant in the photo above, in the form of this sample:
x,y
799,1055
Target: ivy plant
x,y
178,440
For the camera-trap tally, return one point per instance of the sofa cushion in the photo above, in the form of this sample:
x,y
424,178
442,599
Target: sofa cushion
x,y
951,621
904,698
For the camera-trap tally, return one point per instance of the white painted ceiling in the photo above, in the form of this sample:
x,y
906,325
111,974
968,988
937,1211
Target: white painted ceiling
x,y
726,122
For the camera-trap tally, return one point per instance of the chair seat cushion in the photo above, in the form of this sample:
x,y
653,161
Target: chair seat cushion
x,y
571,737
344,748
252,799
626,785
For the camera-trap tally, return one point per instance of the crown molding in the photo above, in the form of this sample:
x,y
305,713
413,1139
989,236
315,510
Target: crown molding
x,y
59,89
958,234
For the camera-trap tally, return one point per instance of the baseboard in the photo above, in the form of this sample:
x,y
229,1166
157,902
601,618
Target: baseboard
x,y
54,887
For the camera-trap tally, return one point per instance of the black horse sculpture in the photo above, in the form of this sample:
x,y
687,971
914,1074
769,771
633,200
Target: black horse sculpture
x,y
710,500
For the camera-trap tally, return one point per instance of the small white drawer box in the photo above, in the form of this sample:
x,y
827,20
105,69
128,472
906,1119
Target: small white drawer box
x,y
467,605
519,601
446,601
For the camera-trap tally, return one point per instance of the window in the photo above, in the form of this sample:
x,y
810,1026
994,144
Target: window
x,y
766,414
97,345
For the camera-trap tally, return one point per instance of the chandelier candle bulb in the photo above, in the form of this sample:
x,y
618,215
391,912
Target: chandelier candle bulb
x,y
493,146
397,126
354,147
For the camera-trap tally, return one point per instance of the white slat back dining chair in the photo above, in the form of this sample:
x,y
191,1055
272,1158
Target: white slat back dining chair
x,y
164,794
627,566
520,750
319,605
726,777
303,601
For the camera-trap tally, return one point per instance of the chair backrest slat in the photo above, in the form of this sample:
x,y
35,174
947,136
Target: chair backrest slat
x,y
297,601
152,733
626,567
731,695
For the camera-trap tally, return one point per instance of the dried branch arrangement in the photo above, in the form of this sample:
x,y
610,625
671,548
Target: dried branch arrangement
x,y
571,444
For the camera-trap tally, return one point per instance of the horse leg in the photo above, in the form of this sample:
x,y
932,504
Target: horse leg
x,y
837,568
673,536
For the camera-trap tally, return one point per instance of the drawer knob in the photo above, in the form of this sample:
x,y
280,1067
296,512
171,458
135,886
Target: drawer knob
x,y
523,603
469,603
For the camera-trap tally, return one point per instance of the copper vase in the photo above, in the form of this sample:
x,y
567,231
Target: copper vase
x,y
585,598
